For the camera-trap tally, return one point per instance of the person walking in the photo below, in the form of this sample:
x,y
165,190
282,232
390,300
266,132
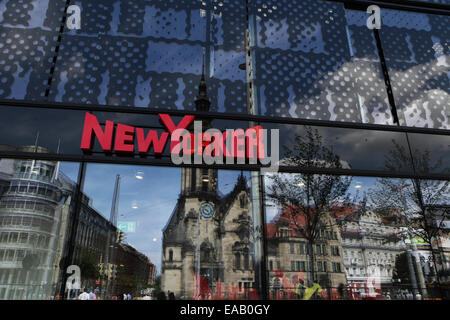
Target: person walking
x,y
84,295
92,296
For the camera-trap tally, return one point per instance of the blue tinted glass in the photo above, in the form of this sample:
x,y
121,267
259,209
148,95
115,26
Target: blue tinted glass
x,y
150,54
436,1
28,36
316,60
417,51
370,87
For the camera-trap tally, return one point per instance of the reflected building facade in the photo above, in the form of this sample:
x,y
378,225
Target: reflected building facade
x,y
35,208
371,244
208,242
290,257
36,214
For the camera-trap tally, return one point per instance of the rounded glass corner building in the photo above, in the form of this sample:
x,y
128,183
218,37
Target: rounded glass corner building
x,y
224,149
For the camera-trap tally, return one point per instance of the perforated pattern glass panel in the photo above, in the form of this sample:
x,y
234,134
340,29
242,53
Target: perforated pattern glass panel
x,y
417,51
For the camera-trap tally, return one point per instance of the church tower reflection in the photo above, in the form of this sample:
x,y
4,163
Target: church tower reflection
x,y
207,242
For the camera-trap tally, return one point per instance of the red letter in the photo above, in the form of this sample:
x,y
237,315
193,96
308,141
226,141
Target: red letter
x,y
170,126
253,142
238,141
203,141
124,138
104,138
224,149
144,143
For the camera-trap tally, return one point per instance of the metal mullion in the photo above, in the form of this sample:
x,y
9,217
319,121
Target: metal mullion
x,y
58,44
225,116
135,125
247,167
387,80
71,243
414,6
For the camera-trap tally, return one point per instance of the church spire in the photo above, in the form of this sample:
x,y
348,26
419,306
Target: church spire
x,y
202,103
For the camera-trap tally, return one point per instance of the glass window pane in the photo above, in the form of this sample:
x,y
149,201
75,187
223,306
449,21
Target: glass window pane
x,y
322,147
366,150
417,51
431,154
28,36
365,69
38,243
188,259
309,63
150,54
436,1
380,225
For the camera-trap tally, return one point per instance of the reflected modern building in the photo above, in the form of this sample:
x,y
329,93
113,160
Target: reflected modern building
x,y
34,212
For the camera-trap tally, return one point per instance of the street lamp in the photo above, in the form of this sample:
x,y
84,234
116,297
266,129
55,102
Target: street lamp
x,y
139,175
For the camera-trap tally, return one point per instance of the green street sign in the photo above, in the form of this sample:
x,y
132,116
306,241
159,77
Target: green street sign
x,y
128,226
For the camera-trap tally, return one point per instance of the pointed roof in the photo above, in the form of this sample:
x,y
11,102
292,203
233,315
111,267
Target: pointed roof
x,y
227,201
202,103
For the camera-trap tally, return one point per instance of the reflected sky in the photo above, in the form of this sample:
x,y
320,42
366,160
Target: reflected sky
x,y
358,187
148,202
70,169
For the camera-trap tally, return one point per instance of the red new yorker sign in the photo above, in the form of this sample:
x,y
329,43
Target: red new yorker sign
x,y
121,138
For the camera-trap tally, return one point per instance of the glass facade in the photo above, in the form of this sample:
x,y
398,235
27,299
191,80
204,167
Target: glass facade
x,y
36,207
94,206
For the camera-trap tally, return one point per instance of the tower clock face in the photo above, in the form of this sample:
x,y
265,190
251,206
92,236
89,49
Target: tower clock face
x,y
207,210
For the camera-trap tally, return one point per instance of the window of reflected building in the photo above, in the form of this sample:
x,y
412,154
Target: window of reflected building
x,y
358,238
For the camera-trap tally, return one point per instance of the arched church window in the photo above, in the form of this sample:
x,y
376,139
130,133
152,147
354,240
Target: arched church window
x,y
205,180
246,259
243,201
237,260
193,179
206,252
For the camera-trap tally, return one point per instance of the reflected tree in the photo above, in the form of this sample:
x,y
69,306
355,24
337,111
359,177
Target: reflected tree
x,y
90,269
419,204
308,199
